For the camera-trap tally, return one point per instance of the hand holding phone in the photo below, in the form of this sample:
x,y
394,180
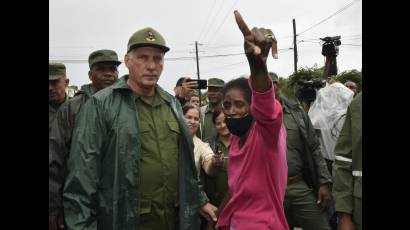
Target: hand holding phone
x,y
198,84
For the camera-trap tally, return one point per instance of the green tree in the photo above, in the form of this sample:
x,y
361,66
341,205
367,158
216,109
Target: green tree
x,y
291,87
351,75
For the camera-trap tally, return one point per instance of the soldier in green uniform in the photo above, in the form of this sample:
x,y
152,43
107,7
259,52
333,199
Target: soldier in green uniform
x,y
131,163
307,193
215,86
347,169
103,72
57,83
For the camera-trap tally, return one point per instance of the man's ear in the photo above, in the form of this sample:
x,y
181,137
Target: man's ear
x,y
126,60
89,75
66,81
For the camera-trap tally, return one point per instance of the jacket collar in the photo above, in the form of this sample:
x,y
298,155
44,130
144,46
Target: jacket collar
x,y
122,85
87,89
288,104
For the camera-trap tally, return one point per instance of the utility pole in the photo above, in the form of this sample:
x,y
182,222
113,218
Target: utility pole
x,y
197,70
295,47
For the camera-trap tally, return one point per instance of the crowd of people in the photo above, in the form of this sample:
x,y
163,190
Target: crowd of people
x,y
126,154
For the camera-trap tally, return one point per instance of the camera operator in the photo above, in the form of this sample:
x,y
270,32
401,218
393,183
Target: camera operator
x,y
328,111
330,49
307,91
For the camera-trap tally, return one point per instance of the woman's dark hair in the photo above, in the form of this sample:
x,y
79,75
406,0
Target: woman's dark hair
x,y
216,114
189,106
241,84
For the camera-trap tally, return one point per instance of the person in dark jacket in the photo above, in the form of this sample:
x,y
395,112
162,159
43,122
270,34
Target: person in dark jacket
x,y
347,169
103,73
57,84
131,163
308,192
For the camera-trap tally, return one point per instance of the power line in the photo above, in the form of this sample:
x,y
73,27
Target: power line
x,y
64,58
222,67
332,15
207,20
351,44
210,25
220,25
69,61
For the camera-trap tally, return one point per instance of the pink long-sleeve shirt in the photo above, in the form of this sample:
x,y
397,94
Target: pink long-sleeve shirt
x,y
257,171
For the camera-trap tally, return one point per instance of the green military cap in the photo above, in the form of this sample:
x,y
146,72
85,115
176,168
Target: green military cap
x,y
274,77
56,71
216,82
147,37
103,56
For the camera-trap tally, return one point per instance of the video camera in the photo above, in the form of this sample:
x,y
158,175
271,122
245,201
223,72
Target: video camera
x,y
308,88
330,46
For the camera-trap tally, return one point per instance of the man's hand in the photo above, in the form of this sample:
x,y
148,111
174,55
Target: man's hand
x,y
187,87
345,221
324,196
55,222
209,212
257,44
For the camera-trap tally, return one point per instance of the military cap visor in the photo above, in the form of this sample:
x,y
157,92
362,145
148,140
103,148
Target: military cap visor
x,y
103,56
147,37
56,71
216,82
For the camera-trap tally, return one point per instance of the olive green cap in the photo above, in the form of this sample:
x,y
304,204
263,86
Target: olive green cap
x,y
216,82
147,37
274,77
103,56
56,71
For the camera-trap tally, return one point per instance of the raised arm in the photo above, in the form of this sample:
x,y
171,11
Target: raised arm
x,y
257,43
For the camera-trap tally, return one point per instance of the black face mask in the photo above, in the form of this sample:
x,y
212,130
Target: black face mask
x,y
239,126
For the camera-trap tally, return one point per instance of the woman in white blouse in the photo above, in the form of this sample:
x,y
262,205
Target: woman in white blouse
x,y
204,156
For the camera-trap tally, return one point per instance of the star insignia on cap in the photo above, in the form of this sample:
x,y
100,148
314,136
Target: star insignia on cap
x,y
150,37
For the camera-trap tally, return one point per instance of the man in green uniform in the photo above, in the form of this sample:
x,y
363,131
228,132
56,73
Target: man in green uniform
x,y
347,169
215,86
57,83
307,193
131,163
103,72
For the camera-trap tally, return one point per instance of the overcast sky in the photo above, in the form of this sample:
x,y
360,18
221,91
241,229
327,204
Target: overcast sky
x,y
78,27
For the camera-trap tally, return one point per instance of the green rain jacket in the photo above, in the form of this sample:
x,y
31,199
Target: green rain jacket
x,y
315,172
102,186
59,146
347,167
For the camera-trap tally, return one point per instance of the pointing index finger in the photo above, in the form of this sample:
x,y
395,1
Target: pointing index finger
x,y
241,24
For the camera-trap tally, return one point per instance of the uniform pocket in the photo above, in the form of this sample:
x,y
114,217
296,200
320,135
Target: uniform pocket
x,y
145,211
173,126
145,206
173,135
144,128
